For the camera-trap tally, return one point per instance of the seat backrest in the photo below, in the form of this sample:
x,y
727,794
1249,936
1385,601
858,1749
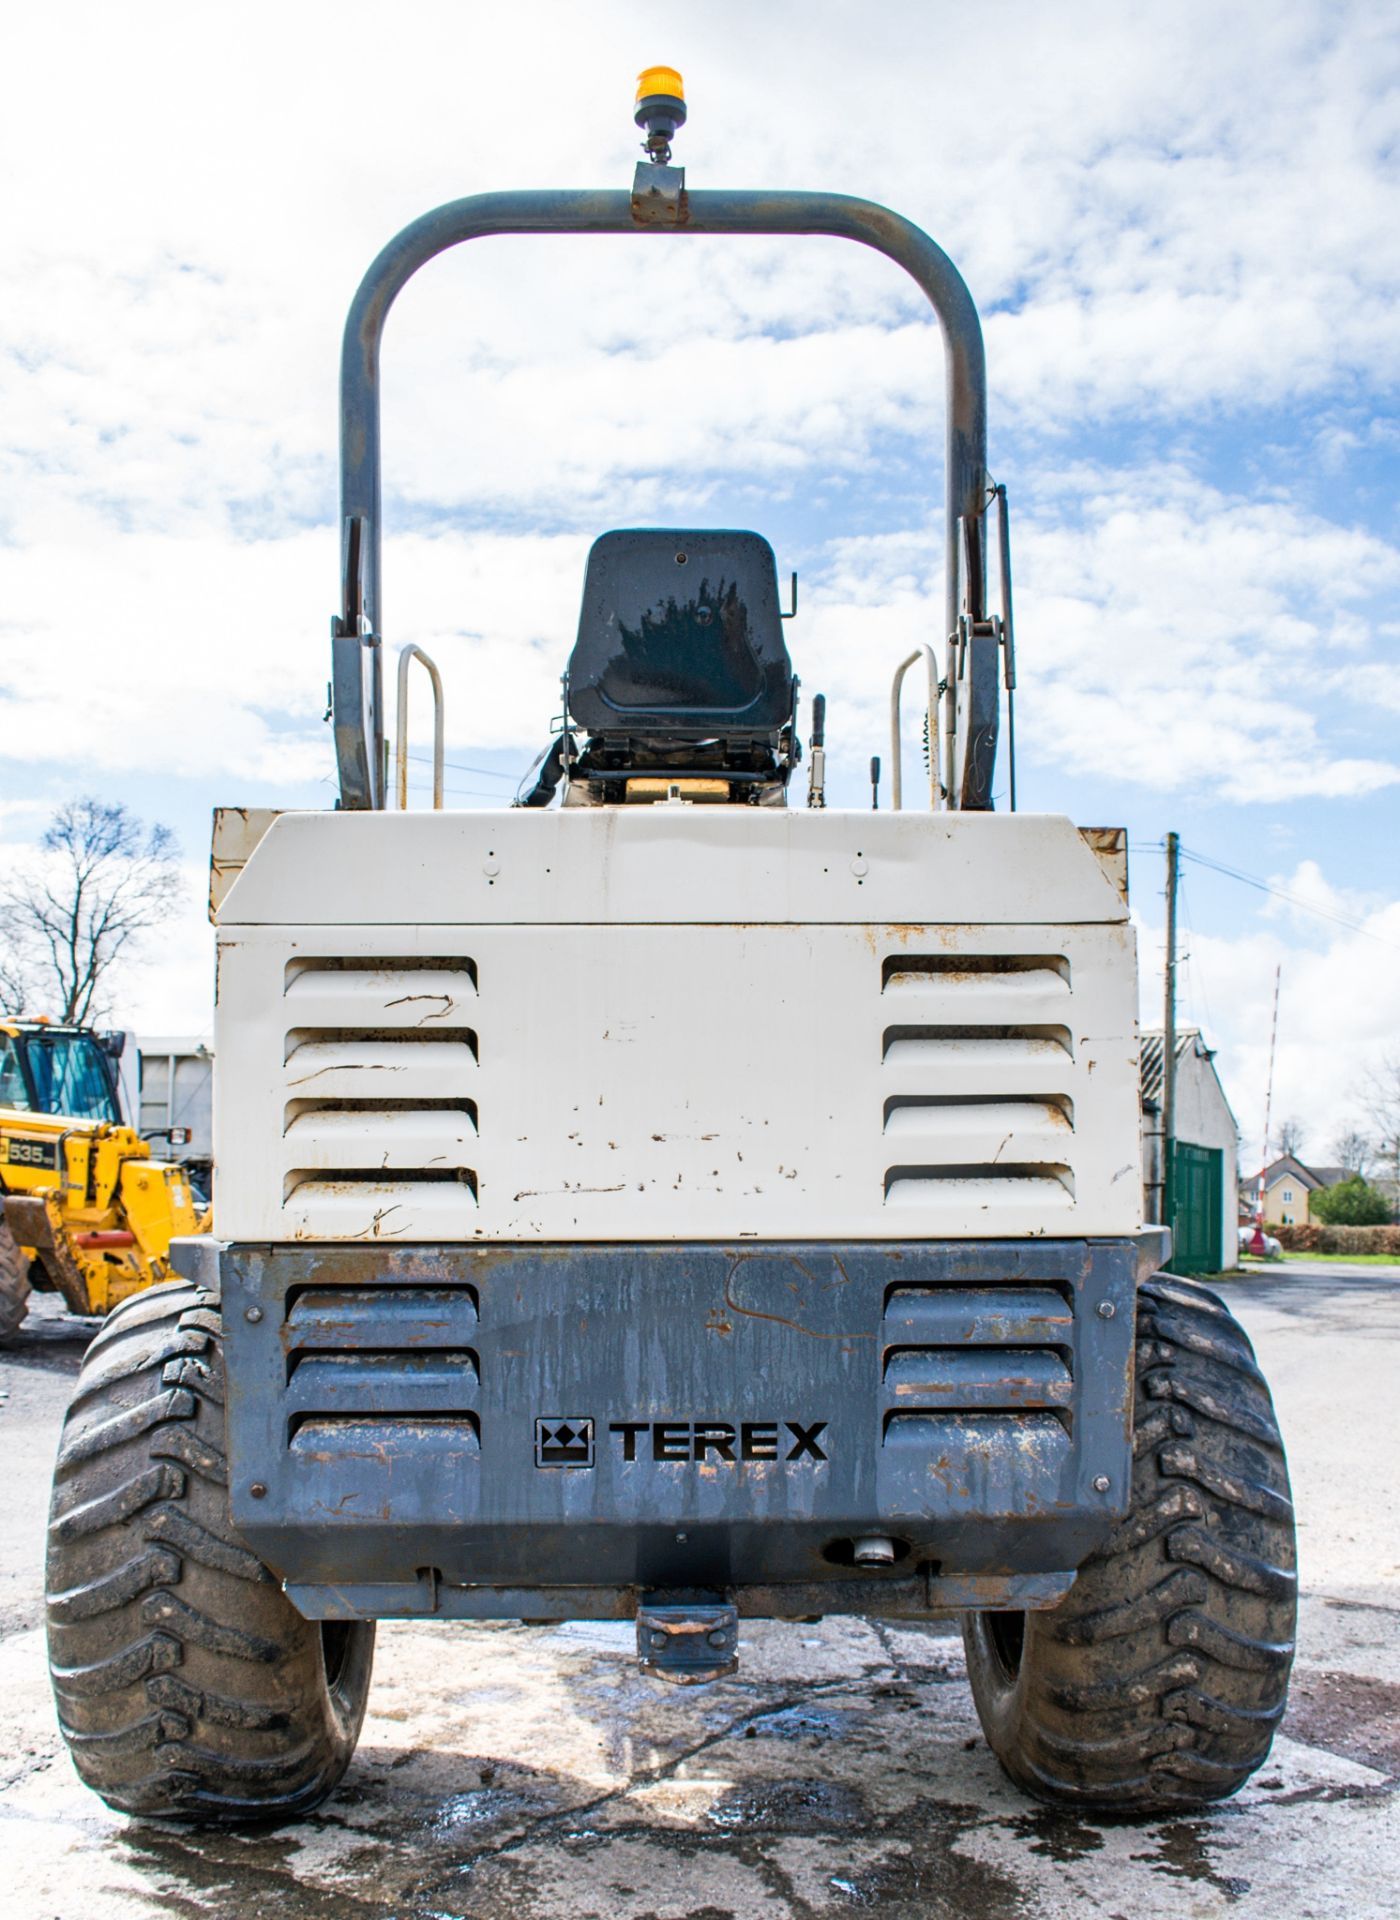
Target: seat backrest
x,y
680,636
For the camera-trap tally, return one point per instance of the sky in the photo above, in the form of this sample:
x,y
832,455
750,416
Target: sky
x,y
1180,222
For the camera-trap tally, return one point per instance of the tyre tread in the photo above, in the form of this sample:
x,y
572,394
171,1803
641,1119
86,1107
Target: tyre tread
x,y
14,1283
187,1684
1160,1679
156,1653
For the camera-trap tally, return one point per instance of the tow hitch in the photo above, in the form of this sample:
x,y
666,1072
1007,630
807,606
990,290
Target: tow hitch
x,y
686,1641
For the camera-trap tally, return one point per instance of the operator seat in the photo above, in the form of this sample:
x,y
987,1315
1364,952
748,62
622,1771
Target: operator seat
x,y
680,672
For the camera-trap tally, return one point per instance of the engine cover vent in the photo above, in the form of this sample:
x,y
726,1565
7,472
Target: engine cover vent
x,y
379,1131
521,1078
984,1376
361,1360
980,1062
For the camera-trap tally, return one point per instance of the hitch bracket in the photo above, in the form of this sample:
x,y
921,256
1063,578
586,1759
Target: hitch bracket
x,y
687,1642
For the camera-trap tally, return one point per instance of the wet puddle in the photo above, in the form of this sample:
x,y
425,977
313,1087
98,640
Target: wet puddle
x,y
791,1806
1347,1714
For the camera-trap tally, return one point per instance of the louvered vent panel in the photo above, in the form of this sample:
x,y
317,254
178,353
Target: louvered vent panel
x,y
383,1135
1006,1315
968,1051
972,1379
964,979
408,1206
359,1062
978,1070
380,1123
360,1359
420,994
980,1373
1045,1185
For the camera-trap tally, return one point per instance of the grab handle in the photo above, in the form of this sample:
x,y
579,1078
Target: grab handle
x,y
896,733
406,656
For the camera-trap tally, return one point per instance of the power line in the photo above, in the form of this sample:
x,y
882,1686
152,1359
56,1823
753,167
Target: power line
x,y
1195,972
1292,899
457,766
1263,886
460,793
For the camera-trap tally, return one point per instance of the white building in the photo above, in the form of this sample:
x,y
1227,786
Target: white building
x,y
1206,1162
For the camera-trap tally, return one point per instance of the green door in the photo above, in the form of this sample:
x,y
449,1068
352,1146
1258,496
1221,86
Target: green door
x,y
1198,1196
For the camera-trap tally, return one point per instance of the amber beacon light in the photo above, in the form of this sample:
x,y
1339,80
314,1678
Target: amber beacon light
x,y
660,109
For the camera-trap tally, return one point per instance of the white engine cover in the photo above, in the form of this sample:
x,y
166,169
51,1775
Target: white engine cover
x,y
674,1023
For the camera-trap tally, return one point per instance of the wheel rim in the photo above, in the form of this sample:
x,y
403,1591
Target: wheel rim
x,y
1006,1640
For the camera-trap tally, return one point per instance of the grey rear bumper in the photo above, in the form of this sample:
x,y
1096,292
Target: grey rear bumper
x,y
546,1431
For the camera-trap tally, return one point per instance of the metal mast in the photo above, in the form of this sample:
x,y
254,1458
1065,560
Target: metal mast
x,y
1169,1034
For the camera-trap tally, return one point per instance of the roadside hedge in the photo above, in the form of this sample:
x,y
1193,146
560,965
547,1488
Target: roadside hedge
x,y
1337,1239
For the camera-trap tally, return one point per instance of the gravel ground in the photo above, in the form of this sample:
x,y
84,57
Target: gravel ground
x,y
531,1773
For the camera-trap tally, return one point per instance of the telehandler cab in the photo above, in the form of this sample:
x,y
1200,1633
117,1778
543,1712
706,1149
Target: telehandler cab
x,y
664,1200
85,1210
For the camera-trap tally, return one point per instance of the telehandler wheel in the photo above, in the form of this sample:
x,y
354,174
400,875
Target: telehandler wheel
x,y
1158,1681
14,1283
188,1686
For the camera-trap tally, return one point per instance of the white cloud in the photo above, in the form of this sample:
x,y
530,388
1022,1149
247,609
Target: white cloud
x,y
1169,636
181,653
1186,638
1167,216
169,986
1307,895
1172,220
1339,1011
1378,684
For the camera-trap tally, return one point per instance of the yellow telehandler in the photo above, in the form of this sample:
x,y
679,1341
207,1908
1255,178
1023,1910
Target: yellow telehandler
x,y
87,1211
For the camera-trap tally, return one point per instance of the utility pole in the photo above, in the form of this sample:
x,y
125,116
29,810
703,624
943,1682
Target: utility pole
x,y
1269,1089
1256,1239
1169,1035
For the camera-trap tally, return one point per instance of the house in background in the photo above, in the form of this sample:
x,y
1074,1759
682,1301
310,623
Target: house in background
x,y
1288,1189
1205,1161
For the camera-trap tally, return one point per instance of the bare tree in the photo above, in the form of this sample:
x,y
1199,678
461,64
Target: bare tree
x,y
1380,1090
1290,1137
1354,1150
99,881
14,975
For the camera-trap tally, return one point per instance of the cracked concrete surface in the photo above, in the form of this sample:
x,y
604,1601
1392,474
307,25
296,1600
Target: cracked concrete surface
x,y
533,1773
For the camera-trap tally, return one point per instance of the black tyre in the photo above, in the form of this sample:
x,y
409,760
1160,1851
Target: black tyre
x,y
188,1686
14,1283
1160,1678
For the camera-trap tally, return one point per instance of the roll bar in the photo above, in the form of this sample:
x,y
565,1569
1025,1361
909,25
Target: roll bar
x,y
659,204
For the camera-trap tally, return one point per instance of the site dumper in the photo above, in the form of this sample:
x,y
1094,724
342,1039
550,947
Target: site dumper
x,y
667,1199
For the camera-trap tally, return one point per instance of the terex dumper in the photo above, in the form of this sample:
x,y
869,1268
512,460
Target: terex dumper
x,y
669,1200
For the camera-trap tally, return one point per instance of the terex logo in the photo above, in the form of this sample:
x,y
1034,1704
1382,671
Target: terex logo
x,y
719,1439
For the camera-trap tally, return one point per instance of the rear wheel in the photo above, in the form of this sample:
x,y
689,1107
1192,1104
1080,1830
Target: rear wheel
x,y
1159,1680
14,1282
188,1686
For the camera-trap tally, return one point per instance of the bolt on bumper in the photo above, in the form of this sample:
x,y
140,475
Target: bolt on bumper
x,y
498,1431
